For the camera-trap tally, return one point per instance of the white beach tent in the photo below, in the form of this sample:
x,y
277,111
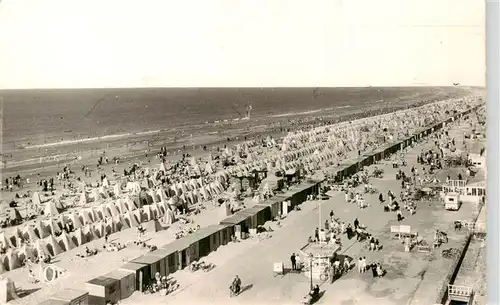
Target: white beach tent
x,y
26,251
152,193
53,246
29,233
120,206
83,199
52,226
50,209
99,229
112,210
41,229
66,242
75,219
4,241
117,189
105,182
41,248
36,199
12,259
162,167
130,205
84,215
77,237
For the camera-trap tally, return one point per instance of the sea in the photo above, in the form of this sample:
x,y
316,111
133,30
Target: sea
x,y
49,117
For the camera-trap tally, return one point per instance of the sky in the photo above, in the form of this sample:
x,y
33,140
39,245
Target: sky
x,y
241,43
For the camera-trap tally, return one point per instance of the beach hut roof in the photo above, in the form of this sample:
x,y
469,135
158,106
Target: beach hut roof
x,y
188,240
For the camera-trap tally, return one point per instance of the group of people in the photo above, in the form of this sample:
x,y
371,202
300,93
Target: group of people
x,y
375,267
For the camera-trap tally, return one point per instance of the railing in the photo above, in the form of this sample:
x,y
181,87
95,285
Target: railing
x,y
462,291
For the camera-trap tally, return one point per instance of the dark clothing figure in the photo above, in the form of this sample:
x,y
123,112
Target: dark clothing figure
x,y
400,217
356,223
294,262
316,234
374,270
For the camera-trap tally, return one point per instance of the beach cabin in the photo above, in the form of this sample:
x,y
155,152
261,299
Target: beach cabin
x,y
103,290
258,215
292,175
154,263
275,205
71,297
169,256
126,280
452,201
241,223
140,271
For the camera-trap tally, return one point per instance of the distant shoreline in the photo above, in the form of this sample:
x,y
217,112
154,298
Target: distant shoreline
x,y
132,145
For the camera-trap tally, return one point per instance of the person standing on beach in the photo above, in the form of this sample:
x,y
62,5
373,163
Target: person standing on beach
x,y
294,262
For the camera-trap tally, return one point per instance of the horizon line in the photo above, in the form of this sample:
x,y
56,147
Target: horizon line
x,y
244,87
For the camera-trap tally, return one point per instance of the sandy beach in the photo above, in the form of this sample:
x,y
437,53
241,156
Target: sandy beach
x,y
145,156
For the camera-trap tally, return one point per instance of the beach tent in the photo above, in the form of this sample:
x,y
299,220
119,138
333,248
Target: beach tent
x,y
154,211
116,189
83,199
53,246
146,213
208,168
130,205
119,223
103,193
84,215
52,226
12,259
105,182
41,248
98,212
98,229
26,252
131,219
77,237
36,199
89,233
153,196
110,226
13,214
162,167
29,233
3,239
169,217
120,205
161,194
40,229
66,242
75,219
112,210
8,291
50,209
95,194
59,204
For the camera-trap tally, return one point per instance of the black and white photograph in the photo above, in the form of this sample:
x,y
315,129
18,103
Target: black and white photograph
x,y
243,152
